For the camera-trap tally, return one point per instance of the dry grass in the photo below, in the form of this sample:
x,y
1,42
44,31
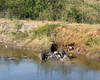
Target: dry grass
x,y
92,1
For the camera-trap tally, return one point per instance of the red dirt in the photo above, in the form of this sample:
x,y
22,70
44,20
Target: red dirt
x,y
78,35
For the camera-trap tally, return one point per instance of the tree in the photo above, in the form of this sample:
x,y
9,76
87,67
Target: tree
x,y
52,9
74,14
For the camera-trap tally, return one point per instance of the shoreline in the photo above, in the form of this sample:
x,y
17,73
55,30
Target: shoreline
x,y
19,34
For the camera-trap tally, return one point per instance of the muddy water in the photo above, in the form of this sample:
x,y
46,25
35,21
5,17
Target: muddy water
x,y
18,64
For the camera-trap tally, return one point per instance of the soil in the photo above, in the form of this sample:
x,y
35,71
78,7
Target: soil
x,y
73,35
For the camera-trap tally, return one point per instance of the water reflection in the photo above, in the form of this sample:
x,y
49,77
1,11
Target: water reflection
x,y
18,64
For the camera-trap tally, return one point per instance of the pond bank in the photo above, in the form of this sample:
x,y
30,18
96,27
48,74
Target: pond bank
x,y
23,65
83,38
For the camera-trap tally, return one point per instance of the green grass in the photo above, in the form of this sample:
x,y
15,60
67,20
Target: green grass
x,y
20,35
91,42
45,30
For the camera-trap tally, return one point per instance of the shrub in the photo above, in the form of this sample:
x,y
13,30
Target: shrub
x,y
52,10
74,15
45,30
91,42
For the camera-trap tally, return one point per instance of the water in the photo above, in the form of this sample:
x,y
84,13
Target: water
x,y
23,65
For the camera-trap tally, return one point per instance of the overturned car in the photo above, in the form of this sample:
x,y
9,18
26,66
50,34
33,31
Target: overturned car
x,y
56,55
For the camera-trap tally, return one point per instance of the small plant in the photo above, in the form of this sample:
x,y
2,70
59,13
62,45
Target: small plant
x,y
13,33
91,42
64,33
20,35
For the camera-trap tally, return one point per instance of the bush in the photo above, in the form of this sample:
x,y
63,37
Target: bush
x,y
45,30
74,15
52,10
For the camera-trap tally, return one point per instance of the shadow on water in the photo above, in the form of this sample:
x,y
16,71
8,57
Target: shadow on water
x,y
23,65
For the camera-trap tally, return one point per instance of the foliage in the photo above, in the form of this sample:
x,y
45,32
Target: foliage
x,y
91,42
74,14
45,30
20,35
52,10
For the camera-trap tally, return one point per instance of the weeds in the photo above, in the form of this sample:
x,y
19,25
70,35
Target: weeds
x,y
64,33
16,23
20,35
45,30
91,42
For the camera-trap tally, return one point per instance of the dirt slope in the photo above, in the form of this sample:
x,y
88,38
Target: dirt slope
x,y
83,38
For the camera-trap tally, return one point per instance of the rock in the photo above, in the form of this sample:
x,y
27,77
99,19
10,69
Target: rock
x,y
54,57
1,26
57,56
70,55
70,47
62,52
49,57
41,56
66,58
55,52
6,46
61,59
23,28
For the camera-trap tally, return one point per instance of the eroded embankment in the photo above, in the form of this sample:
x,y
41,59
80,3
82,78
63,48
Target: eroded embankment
x,y
83,38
